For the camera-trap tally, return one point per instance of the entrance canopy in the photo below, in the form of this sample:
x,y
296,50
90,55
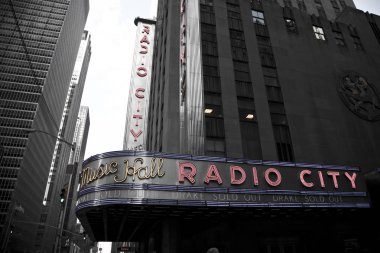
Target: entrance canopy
x,y
121,193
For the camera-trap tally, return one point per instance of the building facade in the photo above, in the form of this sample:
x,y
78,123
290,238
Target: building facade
x,y
259,53
62,157
39,45
264,121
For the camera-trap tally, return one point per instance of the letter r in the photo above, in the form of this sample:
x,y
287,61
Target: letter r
x,y
189,175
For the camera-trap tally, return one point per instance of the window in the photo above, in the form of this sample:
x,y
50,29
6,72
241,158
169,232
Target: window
x,y
342,4
319,33
258,17
301,5
339,39
290,25
355,37
287,3
320,9
206,2
335,6
357,43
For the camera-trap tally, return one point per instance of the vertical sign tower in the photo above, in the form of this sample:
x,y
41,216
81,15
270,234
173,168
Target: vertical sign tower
x,y
138,101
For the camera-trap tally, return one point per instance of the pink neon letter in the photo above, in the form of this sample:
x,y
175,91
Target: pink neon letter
x,y
189,175
233,169
143,51
137,92
334,174
278,175
321,179
302,174
141,71
352,179
255,179
146,29
136,135
213,174
137,117
145,40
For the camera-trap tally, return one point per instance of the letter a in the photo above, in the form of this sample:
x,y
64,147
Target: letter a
x,y
213,174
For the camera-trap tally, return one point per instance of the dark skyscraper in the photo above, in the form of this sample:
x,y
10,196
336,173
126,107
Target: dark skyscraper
x,y
39,42
266,80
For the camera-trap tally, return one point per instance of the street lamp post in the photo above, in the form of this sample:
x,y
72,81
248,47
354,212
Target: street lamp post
x,y
31,130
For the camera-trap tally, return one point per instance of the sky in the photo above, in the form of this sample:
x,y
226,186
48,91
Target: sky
x,y
112,30
107,84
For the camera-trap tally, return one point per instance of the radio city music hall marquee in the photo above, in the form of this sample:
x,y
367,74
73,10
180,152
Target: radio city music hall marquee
x,y
164,179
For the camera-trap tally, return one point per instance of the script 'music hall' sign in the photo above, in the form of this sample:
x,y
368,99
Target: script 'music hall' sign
x,y
129,177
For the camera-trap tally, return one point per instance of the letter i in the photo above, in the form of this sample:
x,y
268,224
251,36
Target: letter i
x,y
138,106
321,179
255,179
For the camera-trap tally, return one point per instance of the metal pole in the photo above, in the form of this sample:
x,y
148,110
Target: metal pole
x,y
7,230
62,223
58,238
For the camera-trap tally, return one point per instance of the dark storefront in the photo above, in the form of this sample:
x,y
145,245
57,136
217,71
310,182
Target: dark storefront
x,y
183,203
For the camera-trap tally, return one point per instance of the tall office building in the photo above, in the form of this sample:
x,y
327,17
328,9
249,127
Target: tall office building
x,y
39,42
62,153
70,226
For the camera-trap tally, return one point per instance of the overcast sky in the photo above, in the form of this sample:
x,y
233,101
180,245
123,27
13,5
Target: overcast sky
x,y
106,90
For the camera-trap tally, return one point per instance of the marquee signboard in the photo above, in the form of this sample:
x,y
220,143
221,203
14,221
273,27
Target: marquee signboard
x,y
143,178
138,101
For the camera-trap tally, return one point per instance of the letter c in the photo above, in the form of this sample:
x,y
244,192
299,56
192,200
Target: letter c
x,y
138,90
302,175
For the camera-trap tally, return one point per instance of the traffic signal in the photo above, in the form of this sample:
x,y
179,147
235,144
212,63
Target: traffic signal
x,y
62,195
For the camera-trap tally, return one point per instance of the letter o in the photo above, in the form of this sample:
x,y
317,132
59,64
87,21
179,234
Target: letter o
x,y
278,175
141,72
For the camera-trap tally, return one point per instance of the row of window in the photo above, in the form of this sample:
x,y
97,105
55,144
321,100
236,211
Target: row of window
x,y
214,123
18,105
22,79
6,184
58,4
16,114
258,18
28,43
274,94
22,71
30,12
11,28
13,152
338,38
24,57
10,162
6,195
13,142
40,9
20,123
32,37
57,9
25,24
250,137
25,64
8,15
